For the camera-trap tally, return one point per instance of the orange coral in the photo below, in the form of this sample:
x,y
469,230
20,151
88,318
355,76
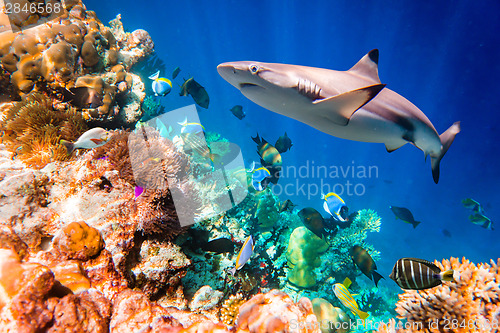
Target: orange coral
x,y
78,240
275,311
470,304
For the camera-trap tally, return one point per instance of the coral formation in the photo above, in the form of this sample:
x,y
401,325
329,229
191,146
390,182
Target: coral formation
x,y
471,303
330,318
78,240
32,129
54,54
230,308
304,254
275,311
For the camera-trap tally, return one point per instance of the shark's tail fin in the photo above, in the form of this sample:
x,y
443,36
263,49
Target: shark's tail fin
x,y
446,140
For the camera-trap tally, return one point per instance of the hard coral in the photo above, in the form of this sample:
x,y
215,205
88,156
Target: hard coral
x,y
230,309
471,303
275,311
78,240
32,129
304,255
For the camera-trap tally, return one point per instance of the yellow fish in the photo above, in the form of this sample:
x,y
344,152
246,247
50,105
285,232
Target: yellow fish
x,y
345,297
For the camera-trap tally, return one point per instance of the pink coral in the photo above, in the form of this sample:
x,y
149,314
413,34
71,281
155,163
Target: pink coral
x,y
275,311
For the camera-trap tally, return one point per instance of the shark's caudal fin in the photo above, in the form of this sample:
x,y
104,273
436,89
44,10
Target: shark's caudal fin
x,y
446,140
367,67
339,108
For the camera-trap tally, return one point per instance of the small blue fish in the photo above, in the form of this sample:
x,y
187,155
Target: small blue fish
x,y
335,206
161,86
260,177
188,127
244,255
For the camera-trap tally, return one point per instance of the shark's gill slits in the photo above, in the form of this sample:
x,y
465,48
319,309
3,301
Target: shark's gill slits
x,y
309,89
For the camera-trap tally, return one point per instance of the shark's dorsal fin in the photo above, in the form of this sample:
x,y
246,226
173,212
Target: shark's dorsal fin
x,y
367,67
339,108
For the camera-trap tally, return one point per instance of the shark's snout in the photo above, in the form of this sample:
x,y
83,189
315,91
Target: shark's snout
x,y
237,74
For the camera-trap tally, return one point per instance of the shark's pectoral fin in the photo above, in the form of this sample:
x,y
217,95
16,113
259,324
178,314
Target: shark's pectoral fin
x,y
392,146
340,108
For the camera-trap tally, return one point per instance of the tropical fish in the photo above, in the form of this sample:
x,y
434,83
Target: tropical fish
x,y
418,274
199,94
481,221
191,127
473,205
237,110
365,263
313,221
93,138
446,232
176,72
244,255
335,206
83,97
283,144
270,157
161,86
260,177
286,205
219,245
196,142
345,297
405,215
336,103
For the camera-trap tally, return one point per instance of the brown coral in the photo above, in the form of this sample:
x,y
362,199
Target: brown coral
x,y
471,303
275,311
230,308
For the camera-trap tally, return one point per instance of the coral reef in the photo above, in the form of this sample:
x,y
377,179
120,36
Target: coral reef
x,y
330,318
304,254
78,240
72,57
33,128
230,308
471,303
275,311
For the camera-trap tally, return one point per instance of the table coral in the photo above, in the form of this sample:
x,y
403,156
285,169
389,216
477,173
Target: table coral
x,y
471,303
275,311
304,255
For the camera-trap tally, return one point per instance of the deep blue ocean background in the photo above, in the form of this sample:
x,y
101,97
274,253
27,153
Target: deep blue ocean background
x,y
442,55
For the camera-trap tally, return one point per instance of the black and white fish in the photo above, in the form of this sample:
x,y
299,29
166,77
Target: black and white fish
x,y
418,274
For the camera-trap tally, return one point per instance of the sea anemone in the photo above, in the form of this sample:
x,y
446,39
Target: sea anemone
x,y
32,129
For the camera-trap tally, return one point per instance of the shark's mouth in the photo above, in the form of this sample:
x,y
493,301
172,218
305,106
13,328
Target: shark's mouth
x,y
248,85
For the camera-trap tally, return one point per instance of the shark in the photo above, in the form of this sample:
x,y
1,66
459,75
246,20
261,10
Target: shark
x,y
352,104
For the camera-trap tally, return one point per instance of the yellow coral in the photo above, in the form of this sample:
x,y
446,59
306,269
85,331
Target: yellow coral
x,y
230,308
303,255
470,304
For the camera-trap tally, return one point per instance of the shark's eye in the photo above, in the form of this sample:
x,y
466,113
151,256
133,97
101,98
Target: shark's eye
x,y
254,69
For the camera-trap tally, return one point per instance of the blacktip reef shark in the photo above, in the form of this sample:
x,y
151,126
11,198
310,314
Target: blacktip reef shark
x,y
350,104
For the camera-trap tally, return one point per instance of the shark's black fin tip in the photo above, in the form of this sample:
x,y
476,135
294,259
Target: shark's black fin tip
x,y
373,54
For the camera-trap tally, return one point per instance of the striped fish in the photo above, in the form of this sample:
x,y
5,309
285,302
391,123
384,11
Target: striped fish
x,y
418,274
345,297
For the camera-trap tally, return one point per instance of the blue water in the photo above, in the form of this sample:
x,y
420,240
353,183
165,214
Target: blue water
x,y
441,55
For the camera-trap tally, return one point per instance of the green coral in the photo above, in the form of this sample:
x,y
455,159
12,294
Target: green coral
x,y
267,209
303,255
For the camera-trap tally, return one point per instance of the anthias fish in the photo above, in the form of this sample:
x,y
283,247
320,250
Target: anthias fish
x,y
418,274
93,138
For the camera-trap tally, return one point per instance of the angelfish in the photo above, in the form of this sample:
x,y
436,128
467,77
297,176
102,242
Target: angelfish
x,y
244,255
350,104
93,138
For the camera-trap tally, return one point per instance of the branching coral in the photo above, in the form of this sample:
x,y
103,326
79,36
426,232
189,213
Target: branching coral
x,y
32,129
471,303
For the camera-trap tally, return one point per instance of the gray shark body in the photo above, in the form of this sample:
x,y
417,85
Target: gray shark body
x,y
351,104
